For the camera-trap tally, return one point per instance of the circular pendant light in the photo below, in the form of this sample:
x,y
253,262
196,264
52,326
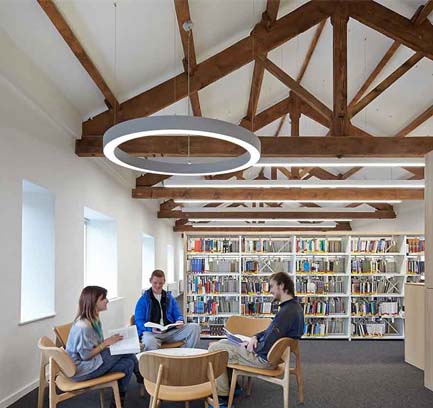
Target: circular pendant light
x,y
181,126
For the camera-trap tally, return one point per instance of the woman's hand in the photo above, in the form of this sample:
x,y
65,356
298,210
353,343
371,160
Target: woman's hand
x,y
111,340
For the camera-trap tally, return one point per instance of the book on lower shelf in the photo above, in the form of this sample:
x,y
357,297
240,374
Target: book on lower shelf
x,y
324,327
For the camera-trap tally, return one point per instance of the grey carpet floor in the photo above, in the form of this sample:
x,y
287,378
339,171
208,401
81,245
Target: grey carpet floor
x,y
337,374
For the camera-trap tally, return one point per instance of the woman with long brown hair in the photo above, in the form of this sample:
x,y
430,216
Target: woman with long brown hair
x,y
88,348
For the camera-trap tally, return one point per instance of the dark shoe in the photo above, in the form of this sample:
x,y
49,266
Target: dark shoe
x,y
223,402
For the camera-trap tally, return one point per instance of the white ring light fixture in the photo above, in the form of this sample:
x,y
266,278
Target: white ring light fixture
x,y
181,126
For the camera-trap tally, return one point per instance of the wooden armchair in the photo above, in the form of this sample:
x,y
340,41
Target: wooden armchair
x,y
60,370
279,355
249,326
62,334
163,345
182,378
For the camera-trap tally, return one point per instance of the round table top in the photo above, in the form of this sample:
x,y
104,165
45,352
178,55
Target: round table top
x,y
179,351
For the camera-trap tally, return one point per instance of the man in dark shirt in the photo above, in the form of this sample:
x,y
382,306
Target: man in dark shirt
x,y
289,322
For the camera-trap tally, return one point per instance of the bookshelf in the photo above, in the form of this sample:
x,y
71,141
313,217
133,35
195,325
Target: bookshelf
x,y
350,286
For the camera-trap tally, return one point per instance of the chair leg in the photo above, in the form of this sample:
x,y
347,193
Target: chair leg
x,y
206,405
232,388
186,404
42,386
300,382
150,402
286,394
101,398
116,394
249,386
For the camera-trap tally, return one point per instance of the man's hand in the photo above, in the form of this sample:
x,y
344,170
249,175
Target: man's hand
x,y
180,323
252,344
156,331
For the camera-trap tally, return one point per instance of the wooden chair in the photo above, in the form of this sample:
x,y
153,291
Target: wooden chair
x,y
182,378
62,334
60,369
175,344
279,355
247,326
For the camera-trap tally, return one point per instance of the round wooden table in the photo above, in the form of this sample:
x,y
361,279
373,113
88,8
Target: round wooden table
x,y
178,351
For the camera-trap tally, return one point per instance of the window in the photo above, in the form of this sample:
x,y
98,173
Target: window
x,y
37,252
148,259
170,263
100,251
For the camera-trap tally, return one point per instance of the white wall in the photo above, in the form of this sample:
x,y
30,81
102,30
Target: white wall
x,y
34,147
410,219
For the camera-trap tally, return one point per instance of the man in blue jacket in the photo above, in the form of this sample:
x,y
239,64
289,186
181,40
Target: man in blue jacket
x,y
158,306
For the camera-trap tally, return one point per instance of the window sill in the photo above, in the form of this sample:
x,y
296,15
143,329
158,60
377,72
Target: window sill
x,y
24,322
115,299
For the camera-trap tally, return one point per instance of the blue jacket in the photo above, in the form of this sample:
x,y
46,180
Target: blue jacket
x,y
142,311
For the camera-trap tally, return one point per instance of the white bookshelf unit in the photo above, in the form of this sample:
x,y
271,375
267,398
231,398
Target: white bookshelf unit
x,y
350,286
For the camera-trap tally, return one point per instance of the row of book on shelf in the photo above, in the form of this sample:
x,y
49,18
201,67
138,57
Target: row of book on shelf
x,y
415,245
320,265
210,305
267,266
373,266
208,285
203,265
303,245
375,307
314,306
382,285
319,285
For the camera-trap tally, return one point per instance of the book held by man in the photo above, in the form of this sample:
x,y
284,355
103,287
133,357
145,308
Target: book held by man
x,y
236,338
129,344
160,326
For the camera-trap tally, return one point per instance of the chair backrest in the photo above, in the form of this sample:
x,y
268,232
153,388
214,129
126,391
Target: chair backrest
x,y
277,352
132,320
61,358
62,334
182,370
247,326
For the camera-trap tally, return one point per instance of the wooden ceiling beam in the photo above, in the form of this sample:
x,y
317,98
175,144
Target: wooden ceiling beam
x,y
303,146
214,68
349,173
268,115
308,194
419,16
256,228
419,120
299,90
187,39
418,37
418,172
385,84
169,205
71,40
268,19
150,179
323,174
305,64
340,121
277,215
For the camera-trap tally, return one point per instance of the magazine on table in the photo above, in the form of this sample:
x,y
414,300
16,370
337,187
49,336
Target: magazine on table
x,y
236,338
129,344
161,327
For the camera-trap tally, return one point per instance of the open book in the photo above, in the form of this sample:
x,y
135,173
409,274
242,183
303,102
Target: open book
x,y
236,338
128,345
160,326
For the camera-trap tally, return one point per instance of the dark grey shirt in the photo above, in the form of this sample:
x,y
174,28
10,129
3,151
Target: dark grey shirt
x,y
289,322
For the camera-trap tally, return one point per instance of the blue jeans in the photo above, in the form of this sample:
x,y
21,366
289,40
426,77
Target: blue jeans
x,y
125,363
